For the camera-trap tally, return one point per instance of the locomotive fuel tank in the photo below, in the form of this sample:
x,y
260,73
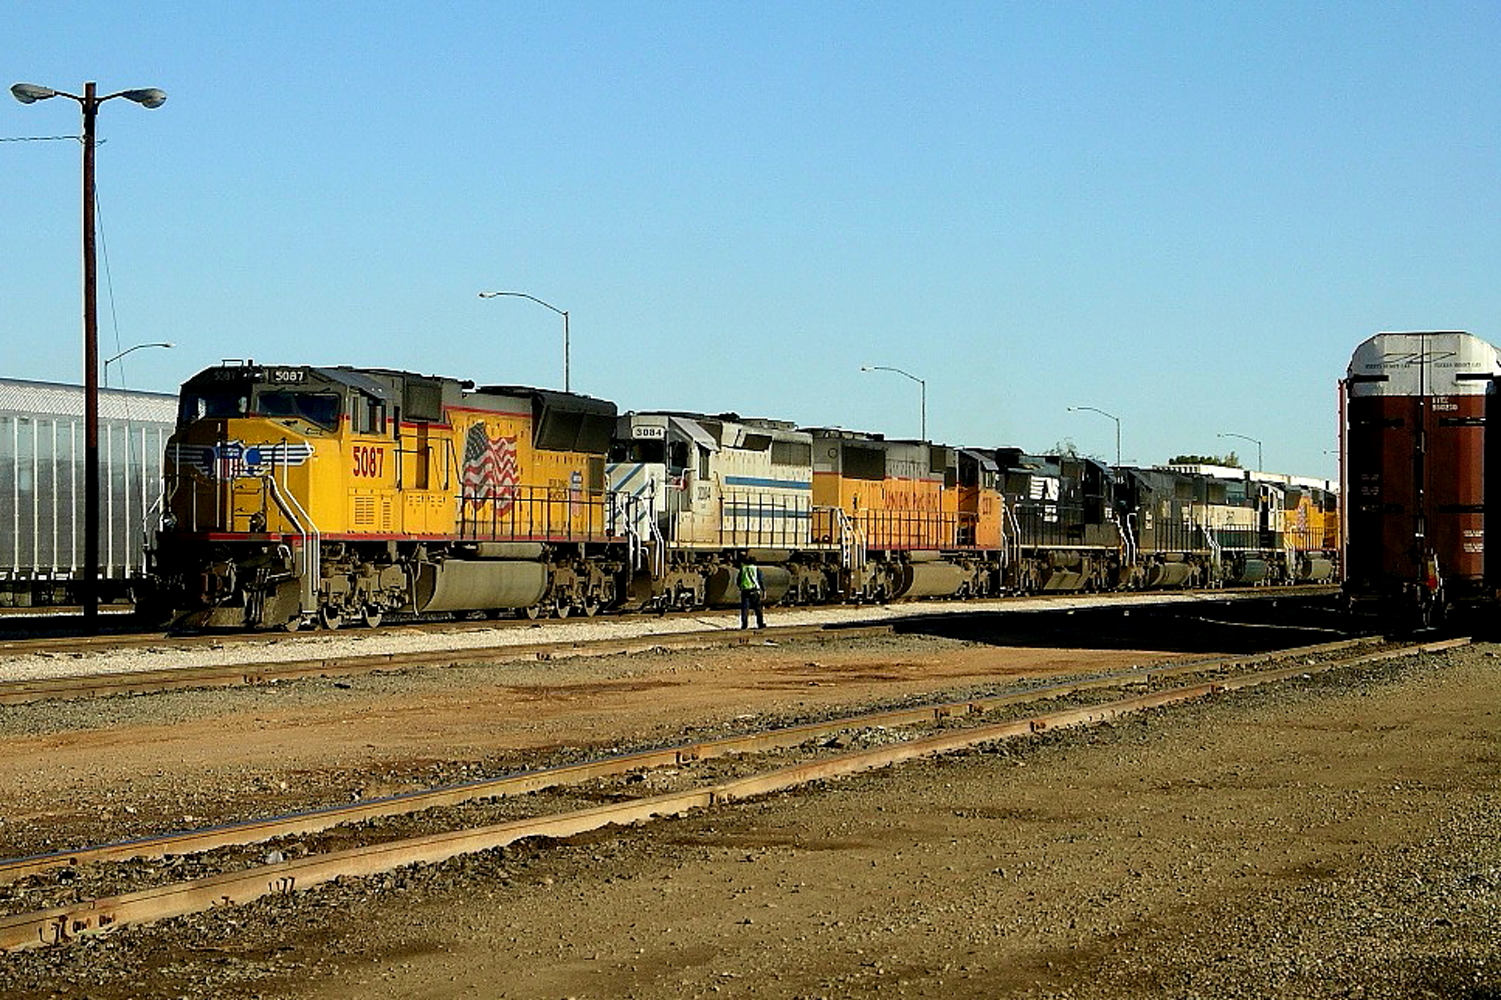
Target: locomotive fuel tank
x,y
723,589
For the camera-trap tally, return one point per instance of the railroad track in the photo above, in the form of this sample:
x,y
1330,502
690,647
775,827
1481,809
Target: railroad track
x,y
86,917
235,674
252,658
121,634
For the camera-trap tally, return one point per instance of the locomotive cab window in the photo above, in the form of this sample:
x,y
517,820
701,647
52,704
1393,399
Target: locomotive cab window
x,y
369,415
217,405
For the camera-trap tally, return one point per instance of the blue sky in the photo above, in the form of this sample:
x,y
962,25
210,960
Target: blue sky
x,y
1185,214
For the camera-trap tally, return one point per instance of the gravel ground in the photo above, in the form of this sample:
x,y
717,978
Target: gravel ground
x,y
1327,839
279,648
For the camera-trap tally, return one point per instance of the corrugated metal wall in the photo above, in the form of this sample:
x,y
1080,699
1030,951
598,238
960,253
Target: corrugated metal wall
x,y
42,477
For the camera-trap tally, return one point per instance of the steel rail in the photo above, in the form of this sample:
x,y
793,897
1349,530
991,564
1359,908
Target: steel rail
x,y
124,682
61,924
66,643
315,820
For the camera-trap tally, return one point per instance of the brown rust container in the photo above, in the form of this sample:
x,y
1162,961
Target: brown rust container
x,y
1413,444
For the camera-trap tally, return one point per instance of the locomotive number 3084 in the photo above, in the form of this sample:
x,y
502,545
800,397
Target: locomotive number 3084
x,y
368,460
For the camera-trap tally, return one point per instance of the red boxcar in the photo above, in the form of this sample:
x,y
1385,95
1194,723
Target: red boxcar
x,y
1412,462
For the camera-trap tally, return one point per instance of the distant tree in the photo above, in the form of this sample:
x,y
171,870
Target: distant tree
x,y
1230,461
1065,448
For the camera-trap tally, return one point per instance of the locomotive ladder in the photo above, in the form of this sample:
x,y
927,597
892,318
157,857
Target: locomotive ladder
x,y
851,541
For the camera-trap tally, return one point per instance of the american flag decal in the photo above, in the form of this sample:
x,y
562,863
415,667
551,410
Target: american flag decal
x,y
490,472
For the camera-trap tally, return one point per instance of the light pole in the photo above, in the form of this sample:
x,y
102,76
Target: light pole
x,y
28,93
1228,434
561,312
921,385
137,347
1112,416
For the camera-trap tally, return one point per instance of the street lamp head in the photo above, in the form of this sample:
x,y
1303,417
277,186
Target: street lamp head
x,y
149,97
30,93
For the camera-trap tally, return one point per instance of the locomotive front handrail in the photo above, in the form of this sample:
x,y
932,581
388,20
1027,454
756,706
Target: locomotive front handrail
x,y
1011,550
1216,550
312,544
851,541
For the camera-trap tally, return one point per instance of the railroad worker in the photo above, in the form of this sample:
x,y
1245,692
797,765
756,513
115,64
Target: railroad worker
x,y
752,587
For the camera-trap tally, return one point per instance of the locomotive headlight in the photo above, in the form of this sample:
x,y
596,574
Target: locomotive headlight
x,y
169,522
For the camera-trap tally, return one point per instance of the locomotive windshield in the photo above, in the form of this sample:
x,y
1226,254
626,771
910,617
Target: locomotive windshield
x,y
322,409
649,452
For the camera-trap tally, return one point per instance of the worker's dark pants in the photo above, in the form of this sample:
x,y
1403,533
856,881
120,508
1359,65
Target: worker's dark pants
x,y
751,599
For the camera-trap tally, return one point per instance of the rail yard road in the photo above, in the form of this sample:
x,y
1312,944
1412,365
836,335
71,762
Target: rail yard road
x,y
1182,795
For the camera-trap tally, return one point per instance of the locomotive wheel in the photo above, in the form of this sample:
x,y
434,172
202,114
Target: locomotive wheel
x,y
562,610
329,618
591,607
534,612
370,616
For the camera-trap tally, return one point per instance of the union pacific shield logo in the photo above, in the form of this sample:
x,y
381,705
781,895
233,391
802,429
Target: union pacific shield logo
x,y
233,459
490,470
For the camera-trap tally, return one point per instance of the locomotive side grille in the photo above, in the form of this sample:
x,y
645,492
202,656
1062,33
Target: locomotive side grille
x,y
364,512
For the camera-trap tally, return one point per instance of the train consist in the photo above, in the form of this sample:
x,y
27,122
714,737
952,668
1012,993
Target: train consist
x,y
1417,486
42,454
297,494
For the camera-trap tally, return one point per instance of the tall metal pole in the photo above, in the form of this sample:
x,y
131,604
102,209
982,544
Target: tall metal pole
x,y
561,312
1096,409
922,386
1246,437
28,93
90,104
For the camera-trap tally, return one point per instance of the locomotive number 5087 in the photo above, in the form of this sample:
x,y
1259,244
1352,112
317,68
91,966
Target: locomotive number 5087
x,y
368,460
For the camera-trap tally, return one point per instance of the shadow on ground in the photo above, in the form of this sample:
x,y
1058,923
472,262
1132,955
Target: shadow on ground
x,y
1234,627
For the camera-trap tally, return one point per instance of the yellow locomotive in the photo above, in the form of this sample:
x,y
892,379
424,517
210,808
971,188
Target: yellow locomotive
x,y
299,494
924,525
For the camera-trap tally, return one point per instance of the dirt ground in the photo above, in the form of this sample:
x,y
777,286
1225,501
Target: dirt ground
x,y
184,757
1328,839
